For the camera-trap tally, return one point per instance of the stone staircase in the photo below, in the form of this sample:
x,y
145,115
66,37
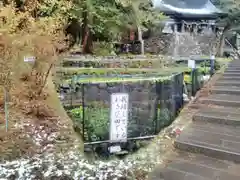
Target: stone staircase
x,y
209,148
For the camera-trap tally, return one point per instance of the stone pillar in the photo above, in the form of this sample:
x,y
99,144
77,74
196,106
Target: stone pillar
x,y
194,27
175,50
175,28
238,41
183,28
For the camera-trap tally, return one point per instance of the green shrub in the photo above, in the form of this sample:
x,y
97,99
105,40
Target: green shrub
x,y
207,64
96,124
103,49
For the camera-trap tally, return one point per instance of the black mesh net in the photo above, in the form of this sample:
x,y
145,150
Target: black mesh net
x,y
196,82
152,105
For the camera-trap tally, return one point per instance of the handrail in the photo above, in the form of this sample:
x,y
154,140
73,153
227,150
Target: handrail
x,y
234,49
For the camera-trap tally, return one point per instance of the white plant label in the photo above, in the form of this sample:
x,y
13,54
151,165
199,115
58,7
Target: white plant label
x,y
114,149
192,64
29,59
119,117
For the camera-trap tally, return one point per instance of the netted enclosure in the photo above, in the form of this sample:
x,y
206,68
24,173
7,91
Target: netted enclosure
x,y
150,104
115,67
124,101
194,80
170,100
197,81
128,61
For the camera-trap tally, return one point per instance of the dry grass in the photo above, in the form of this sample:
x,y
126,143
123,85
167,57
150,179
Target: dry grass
x,y
44,116
34,108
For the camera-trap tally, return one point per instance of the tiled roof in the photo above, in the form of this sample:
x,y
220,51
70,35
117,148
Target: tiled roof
x,y
187,7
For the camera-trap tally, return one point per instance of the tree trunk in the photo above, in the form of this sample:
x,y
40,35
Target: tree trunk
x,y
220,50
45,79
221,45
140,39
89,45
86,35
85,39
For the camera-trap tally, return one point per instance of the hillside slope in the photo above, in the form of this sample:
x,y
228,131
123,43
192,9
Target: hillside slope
x,y
35,126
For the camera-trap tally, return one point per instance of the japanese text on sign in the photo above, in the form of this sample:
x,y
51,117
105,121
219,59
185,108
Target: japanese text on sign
x,y
192,64
119,117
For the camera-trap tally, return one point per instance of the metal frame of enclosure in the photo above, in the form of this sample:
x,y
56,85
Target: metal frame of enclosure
x,y
153,105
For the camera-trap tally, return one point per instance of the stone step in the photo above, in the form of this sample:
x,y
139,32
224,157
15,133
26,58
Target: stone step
x,y
226,78
213,140
175,174
234,63
226,74
222,100
232,71
227,116
237,68
234,83
188,166
225,90
233,66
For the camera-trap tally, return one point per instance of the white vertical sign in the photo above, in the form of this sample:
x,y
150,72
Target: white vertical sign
x,y
192,64
119,117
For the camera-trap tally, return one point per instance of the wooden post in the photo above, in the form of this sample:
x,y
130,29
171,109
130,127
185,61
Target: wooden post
x,y
6,108
140,39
